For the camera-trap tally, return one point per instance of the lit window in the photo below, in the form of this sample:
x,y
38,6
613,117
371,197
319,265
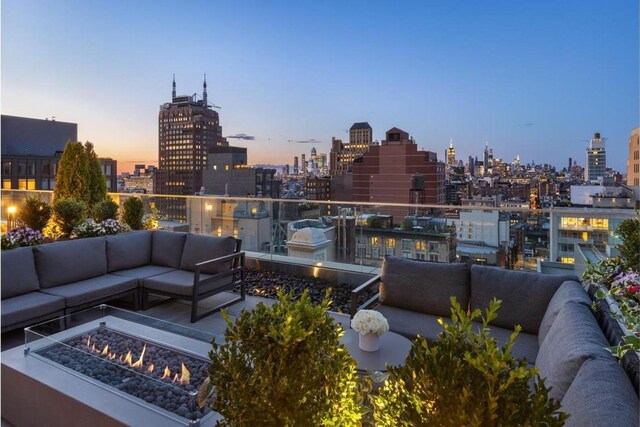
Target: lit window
x,y
420,245
219,231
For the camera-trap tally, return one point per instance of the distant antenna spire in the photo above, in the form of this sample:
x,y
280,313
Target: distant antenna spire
x,y
204,90
450,142
173,94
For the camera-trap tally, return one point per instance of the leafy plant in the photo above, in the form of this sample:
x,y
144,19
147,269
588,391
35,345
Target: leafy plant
x,y
464,378
79,175
94,229
34,213
629,231
133,212
21,236
68,214
107,209
283,366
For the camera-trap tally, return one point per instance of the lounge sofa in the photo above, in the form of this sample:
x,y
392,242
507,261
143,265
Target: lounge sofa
x,y
59,278
559,336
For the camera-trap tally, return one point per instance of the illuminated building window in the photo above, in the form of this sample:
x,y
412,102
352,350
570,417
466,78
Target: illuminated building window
x,y
420,245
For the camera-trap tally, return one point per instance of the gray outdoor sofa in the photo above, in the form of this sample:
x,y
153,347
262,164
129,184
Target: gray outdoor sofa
x,y
560,336
46,281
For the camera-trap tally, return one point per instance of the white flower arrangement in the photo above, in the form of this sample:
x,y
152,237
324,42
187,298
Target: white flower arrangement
x,y
369,322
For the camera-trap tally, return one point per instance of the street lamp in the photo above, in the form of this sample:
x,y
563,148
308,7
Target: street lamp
x,y
11,211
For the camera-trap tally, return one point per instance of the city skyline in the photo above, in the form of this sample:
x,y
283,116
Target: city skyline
x,y
535,80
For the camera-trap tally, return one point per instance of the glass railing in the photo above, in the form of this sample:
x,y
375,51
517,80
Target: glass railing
x,y
358,235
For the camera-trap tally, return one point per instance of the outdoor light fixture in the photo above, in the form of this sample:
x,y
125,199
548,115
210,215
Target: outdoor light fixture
x,y
11,211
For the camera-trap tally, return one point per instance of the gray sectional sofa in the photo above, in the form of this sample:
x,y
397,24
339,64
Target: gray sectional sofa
x,y
49,280
560,336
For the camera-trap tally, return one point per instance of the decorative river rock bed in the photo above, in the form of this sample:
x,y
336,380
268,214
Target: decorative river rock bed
x,y
148,371
266,283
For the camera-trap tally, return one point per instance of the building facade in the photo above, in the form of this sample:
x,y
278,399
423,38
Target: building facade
x,y
343,155
187,128
31,150
633,161
397,172
596,159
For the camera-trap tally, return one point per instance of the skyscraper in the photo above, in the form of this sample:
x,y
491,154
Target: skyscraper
x,y
596,159
343,155
187,128
451,155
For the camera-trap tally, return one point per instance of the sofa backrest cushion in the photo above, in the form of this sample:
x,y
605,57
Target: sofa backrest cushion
x,y
70,261
573,338
167,248
18,272
129,250
424,287
203,248
525,296
601,395
568,291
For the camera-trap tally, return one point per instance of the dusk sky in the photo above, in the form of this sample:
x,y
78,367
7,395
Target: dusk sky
x,y
534,78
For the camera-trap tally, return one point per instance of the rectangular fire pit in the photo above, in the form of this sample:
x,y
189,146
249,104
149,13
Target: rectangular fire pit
x,y
144,370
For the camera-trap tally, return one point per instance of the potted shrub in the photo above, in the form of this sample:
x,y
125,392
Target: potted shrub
x,y
107,209
464,378
283,365
34,213
133,212
67,215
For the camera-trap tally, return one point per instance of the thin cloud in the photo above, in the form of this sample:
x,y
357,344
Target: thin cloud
x,y
305,141
242,136
527,124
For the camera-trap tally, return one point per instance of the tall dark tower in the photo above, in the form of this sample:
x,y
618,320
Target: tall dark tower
x,y
173,93
187,129
204,91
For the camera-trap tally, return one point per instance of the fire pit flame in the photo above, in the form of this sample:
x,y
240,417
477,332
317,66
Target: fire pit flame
x,y
182,377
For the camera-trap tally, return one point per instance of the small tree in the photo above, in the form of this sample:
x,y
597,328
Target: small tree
x,y
133,212
34,213
79,175
629,231
283,366
464,378
68,214
107,209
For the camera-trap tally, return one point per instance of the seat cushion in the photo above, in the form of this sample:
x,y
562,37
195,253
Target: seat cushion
x,y
143,272
96,289
410,323
573,338
71,261
128,250
424,287
180,282
568,291
525,346
525,296
167,248
18,272
601,395
29,306
203,248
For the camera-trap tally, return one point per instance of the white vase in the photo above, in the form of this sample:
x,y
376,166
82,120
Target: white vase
x,y
369,342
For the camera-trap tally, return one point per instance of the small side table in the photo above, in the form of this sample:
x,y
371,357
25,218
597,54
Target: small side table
x,y
393,351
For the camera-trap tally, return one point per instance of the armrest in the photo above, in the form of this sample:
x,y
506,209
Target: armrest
x,y
360,290
237,266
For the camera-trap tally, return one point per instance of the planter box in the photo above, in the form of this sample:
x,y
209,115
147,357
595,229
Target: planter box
x,y
614,331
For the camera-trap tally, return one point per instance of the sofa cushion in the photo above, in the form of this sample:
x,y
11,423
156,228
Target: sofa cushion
x,y
203,248
71,261
167,248
410,323
568,291
143,272
573,338
180,282
525,346
128,250
525,296
97,289
18,272
601,395
29,306
424,287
